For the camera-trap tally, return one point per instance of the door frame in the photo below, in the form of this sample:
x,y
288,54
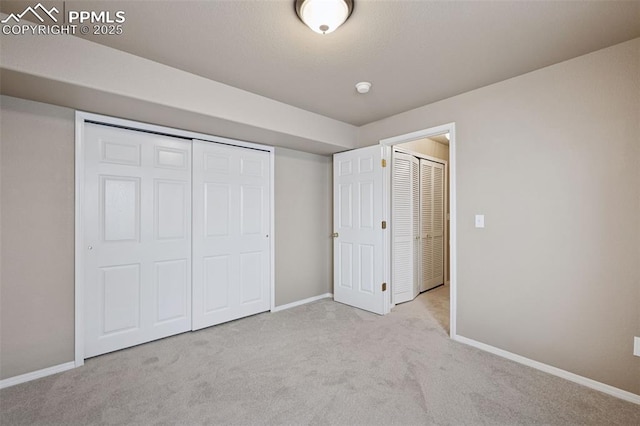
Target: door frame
x,y
82,118
387,145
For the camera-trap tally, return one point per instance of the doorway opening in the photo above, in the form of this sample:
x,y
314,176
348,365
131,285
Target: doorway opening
x,y
420,196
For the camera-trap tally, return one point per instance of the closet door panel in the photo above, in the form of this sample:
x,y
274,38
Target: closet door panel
x,y
432,223
231,222
137,237
438,224
415,201
426,224
404,227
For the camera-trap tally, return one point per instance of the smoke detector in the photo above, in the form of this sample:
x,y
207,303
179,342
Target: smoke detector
x,y
363,87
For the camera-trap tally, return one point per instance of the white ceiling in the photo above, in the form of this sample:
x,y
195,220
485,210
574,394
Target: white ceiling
x,y
413,52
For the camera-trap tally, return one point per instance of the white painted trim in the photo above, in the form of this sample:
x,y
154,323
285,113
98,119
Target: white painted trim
x,y
301,302
584,381
447,224
386,238
79,242
27,377
420,134
81,119
453,232
272,226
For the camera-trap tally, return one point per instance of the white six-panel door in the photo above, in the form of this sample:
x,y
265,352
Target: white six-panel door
x,y
358,239
432,223
231,222
405,227
137,238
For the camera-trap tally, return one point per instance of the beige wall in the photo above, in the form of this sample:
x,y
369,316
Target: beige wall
x,y
303,225
37,237
428,147
555,275
37,233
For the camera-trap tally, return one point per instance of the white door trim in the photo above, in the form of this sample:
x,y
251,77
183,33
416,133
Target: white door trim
x,y
83,117
79,242
408,137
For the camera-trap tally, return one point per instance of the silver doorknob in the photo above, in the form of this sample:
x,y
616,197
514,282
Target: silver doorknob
x,y
90,247
335,235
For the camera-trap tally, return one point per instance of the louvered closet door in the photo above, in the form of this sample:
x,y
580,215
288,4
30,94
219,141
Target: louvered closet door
x,y
231,222
137,230
432,223
415,187
405,227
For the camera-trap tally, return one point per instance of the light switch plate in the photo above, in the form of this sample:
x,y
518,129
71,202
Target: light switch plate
x,y
479,221
636,346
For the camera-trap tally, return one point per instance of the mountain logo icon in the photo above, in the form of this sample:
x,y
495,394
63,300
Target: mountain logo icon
x,y
34,12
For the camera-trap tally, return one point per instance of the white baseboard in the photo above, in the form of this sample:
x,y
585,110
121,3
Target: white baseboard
x,y
27,377
610,390
301,302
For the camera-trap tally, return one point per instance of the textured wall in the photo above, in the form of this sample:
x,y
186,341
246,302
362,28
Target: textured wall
x,y
37,221
552,158
428,147
303,225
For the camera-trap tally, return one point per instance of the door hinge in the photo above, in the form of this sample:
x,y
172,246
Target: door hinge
x,y
384,286
384,224
384,163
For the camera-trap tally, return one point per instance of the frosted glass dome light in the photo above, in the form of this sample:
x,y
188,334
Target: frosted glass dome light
x,y
324,16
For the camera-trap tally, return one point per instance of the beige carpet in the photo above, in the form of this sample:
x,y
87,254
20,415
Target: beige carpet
x,y
322,363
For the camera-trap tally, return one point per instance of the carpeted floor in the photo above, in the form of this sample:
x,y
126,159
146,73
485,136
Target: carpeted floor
x,y
321,363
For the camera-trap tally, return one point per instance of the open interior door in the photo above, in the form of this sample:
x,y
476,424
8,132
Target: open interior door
x,y
358,229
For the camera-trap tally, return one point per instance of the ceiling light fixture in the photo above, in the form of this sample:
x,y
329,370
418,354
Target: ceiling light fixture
x,y
324,16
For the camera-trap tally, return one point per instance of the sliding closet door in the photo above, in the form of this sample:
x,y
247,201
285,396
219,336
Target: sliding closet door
x,y
137,237
231,222
405,227
432,223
